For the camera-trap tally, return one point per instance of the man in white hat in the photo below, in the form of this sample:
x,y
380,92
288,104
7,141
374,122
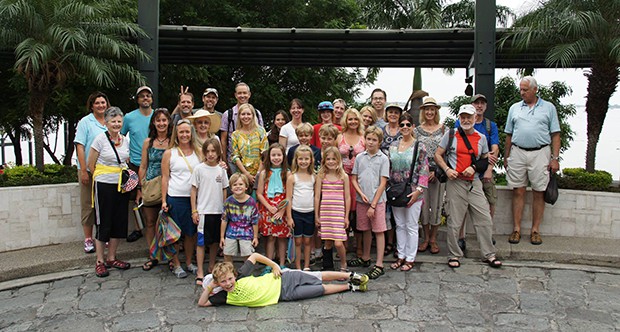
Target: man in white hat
x,y
209,100
464,188
136,123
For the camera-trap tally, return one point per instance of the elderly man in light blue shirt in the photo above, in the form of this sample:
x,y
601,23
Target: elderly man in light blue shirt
x,y
531,152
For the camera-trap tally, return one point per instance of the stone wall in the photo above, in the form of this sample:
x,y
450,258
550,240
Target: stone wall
x,y
50,214
39,215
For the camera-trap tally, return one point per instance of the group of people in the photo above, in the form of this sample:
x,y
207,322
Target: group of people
x,y
313,183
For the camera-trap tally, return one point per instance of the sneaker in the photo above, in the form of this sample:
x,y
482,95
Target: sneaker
x,y
359,261
89,246
192,268
358,279
179,272
358,288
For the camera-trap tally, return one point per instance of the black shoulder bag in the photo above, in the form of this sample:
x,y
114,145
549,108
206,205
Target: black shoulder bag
x,y
440,174
479,165
398,193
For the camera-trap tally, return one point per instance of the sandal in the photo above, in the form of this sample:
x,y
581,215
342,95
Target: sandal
x,y
423,246
375,272
198,281
407,266
118,264
515,237
151,263
344,269
389,248
434,248
100,270
396,265
307,269
493,262
454,263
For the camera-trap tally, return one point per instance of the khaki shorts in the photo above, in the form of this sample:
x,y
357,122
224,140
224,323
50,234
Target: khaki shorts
x,y
528,165
490,191
87,213
239,248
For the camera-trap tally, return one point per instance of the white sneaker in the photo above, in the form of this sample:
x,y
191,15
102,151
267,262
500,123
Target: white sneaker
x,y
192,268
89,246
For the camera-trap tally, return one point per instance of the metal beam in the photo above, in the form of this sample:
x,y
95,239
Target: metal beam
x,y
484,53
148,19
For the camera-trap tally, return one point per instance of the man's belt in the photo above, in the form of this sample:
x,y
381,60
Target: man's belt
x,y
531,149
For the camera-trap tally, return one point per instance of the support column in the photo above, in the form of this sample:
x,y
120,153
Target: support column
x,y
484,53
148,19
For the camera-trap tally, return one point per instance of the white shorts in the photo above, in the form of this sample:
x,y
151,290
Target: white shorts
x,y
528,165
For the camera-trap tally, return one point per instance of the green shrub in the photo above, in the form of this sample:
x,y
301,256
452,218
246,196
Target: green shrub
x,y
30,176
578,178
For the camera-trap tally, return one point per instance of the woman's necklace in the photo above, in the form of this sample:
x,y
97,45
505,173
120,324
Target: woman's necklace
x,y
161,141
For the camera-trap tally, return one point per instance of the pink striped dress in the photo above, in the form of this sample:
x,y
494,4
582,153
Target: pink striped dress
x,y
332,211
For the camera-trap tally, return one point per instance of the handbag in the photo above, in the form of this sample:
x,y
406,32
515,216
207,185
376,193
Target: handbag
x,y
552,192
129,178
398,193
167,230
440,174
151,191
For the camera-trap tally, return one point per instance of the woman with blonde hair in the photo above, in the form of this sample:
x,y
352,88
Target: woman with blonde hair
x,y
369,116
249,141
429,132
177,165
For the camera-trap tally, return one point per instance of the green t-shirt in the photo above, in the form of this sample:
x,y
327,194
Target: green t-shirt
x,y
251,291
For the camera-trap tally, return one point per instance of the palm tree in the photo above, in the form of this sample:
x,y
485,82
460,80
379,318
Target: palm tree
x,y
577,29
424,14
57,40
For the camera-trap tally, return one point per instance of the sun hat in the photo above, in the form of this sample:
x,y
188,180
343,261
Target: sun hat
x,y
215,119
429,101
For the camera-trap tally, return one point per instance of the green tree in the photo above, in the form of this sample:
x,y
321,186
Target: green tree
x,y
55,41
273,87
577,29
507,93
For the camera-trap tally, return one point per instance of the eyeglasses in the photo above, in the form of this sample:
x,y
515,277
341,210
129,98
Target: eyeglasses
x,y
350,152
405,124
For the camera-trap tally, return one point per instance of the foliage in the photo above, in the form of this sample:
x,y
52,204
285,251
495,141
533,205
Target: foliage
x,y
272,87
29,175
507,93
578,178
572,30
55,41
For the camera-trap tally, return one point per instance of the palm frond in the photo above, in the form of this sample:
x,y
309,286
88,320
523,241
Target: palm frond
x,y
31,56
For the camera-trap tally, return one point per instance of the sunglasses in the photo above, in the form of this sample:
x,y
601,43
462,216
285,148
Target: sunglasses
x,y
405,124
350,152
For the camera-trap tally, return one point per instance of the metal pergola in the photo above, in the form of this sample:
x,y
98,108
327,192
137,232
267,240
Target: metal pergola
x,y
473,49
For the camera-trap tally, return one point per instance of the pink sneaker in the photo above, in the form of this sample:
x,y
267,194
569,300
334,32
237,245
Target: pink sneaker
x,y
89,246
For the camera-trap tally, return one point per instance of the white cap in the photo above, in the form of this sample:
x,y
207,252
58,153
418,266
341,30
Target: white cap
x,y
142,88
467,109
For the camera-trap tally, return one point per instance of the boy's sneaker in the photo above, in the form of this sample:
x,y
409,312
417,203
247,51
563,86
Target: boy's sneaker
x,y
358,279
192,268
89,245
358,288
359,262
179,272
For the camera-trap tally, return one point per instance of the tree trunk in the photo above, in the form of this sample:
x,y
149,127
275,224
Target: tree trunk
x,y
36,104
51,153
17,147
69,146
602,82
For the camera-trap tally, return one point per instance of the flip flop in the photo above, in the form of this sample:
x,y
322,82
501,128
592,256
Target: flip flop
x,y
198,281
434,248
454,263
493,262
150,264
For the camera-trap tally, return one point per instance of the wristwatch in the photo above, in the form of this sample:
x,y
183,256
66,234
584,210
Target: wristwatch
x,y
555,158
420,189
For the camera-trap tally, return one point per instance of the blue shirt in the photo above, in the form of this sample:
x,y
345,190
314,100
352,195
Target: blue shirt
x,y
87,129
492,137
532,127
137,125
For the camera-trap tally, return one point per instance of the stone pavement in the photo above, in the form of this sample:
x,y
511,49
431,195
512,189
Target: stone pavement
x,y
530,296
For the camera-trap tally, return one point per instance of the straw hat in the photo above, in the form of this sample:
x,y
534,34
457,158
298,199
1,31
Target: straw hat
x,y
430,101
215,119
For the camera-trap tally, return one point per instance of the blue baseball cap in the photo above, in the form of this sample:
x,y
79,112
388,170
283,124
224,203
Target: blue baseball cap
x,y
325,106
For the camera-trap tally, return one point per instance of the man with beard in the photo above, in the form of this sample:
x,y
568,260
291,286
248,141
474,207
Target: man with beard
x,y
464,188
184,107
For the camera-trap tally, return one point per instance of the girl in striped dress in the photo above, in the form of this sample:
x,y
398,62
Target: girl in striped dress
x,y
331,202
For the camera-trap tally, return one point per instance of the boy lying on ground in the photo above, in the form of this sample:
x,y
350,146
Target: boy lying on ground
x,y
244,289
